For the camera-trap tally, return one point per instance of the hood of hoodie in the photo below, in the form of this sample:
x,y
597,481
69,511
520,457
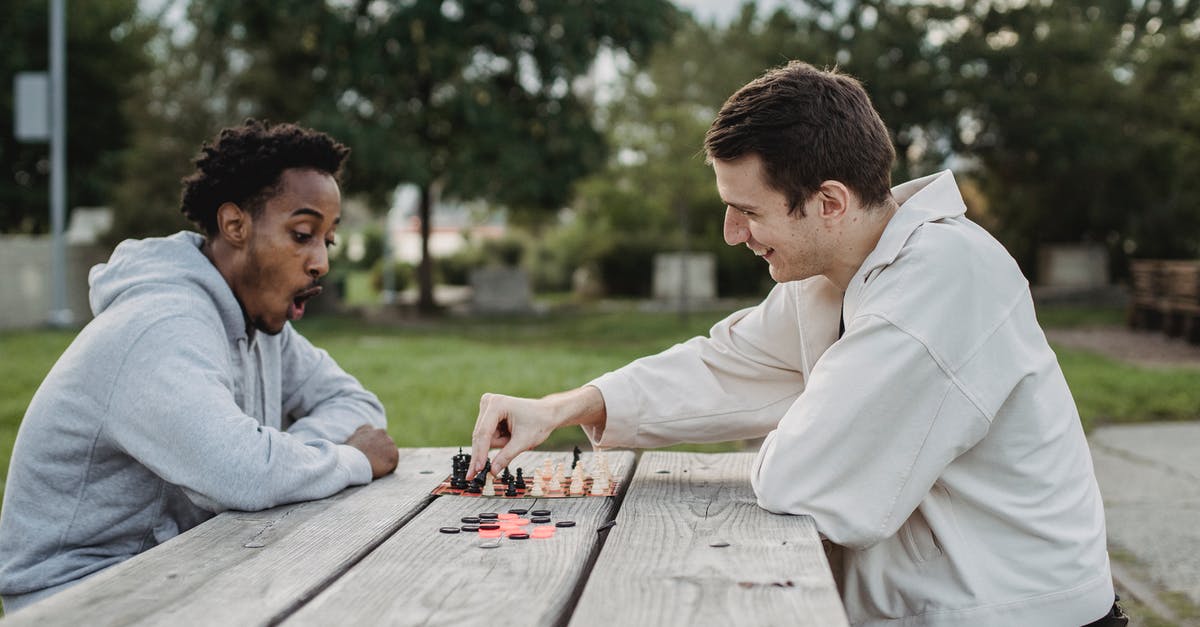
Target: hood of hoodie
x,y
166,268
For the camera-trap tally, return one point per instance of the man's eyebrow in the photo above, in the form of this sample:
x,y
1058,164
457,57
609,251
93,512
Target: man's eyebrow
x,y
306,211
741,207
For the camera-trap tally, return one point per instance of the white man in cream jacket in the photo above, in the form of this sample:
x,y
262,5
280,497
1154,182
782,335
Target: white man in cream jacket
x,y
910,402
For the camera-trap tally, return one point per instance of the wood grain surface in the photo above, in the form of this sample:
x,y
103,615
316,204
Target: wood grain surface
x,y
423,577
691,547
248,568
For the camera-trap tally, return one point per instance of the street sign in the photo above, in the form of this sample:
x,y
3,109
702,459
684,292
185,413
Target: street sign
x,y
31,122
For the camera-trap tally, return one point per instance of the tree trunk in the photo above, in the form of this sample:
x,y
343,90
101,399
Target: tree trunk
x,y
425,304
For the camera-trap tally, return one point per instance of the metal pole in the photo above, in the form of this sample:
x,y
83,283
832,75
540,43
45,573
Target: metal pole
x,y
60,314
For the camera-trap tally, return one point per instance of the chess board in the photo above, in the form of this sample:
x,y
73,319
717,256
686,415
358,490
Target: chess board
x,y
556,492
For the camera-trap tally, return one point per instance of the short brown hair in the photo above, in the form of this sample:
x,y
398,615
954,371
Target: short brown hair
x,y
808,126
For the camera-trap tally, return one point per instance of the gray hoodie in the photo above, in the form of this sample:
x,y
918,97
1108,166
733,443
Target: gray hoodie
x,y
163,411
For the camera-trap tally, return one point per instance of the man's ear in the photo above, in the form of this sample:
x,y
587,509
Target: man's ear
x,y
233,224
835,199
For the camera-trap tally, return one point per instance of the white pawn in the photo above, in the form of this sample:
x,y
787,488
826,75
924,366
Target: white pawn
x,y
537,486
489,487
599,486
547,472
576,488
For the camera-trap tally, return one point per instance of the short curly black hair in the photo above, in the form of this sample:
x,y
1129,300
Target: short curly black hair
x,y
243,165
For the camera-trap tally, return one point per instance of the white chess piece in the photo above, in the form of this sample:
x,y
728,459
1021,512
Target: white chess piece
x,y
537,486
489,486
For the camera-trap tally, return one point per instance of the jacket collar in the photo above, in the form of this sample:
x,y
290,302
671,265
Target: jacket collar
x,y
927,199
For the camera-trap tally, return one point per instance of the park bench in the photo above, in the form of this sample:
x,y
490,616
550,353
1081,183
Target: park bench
x,y
1165,295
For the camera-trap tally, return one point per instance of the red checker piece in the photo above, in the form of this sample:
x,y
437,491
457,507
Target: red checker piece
x,y
508,516
489,533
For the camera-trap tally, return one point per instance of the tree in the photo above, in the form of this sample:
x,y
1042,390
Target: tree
x,y
106,53
464,98
1061,115
483,97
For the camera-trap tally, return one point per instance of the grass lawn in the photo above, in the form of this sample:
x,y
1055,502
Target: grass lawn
x,y
430,374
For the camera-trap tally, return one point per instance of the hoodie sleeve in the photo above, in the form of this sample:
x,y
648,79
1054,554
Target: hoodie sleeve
x,y
735,383
325,401
174,412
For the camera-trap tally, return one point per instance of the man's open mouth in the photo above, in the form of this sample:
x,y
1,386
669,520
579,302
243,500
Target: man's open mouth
x,y
296,308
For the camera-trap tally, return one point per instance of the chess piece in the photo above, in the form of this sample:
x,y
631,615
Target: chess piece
x,y
575,457
458,469
511,490
489,487
576,488
520,479
537,487
506,476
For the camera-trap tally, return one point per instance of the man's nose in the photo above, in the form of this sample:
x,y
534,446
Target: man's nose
x,y
736,231
318,264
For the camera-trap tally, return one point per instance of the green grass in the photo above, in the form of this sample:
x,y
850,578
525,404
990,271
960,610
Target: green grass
x,y
1066,316
1109,391
430,374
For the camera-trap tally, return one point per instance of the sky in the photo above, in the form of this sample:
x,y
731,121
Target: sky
x,y
722,11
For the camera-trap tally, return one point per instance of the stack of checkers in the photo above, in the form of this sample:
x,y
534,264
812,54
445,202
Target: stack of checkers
x,y
513,525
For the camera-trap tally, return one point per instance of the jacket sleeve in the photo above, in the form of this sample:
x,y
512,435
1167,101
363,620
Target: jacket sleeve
x,y
736,383
173,410
876,426
326,402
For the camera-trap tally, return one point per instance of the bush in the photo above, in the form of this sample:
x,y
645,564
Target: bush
x,y
405,275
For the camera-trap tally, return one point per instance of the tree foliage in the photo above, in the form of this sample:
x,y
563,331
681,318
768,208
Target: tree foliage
x,y
464,98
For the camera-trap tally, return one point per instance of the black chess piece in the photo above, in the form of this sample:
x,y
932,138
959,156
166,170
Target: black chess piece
x,y
511,490
575,457
520,480
506,476
480,477
458,473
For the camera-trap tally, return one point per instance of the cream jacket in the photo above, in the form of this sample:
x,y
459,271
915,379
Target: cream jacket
x,y
936,442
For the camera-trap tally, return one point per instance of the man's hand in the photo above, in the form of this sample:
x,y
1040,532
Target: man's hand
x,y
519,424
379,448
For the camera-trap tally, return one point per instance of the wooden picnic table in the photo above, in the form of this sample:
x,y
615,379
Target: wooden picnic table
x,y
690,547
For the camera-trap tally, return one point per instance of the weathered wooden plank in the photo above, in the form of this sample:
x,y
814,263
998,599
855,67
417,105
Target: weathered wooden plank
x,y
659,565
423,577
248,568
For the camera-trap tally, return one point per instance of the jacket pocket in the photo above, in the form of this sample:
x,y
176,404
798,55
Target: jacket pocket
x,y
918,539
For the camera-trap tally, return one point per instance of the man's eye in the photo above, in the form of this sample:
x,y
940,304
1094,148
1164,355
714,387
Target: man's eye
x,y
302,238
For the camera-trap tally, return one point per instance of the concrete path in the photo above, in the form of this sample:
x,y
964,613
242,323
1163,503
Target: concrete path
x,y
1150,478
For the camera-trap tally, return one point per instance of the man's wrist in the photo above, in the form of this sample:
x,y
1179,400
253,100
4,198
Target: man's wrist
x,y
582,406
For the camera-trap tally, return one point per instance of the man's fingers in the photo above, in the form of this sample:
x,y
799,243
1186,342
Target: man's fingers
x,y
484,434
505,456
